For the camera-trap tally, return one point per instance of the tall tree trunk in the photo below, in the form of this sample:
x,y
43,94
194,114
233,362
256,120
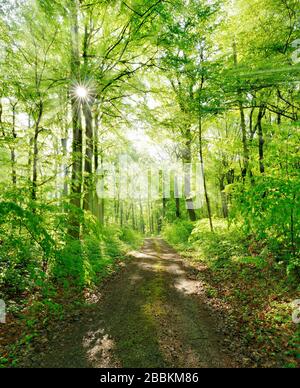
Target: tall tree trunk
x,y
187,159
1,113
102,211
261,114
293,243
76,186
246,153
209,212
30,147
13,150
64,165
223,197
121,214
88,166
163,194
279,119
244,140
87,112
177,197
97,200
36,152
64,146
101,201
133,216
117,209
164,207
142,222
150,217
177,204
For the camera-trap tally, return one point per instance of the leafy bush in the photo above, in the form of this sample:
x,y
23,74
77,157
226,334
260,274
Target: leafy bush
x,y
25,247
177,233
86,262
222,245
270,210
130,237
36,248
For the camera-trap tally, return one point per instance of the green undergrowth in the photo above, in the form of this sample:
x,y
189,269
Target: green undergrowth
x,y
178,233
36,250
44,273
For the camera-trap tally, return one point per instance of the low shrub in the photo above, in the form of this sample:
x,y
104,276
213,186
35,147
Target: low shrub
x,y
178,233
36,248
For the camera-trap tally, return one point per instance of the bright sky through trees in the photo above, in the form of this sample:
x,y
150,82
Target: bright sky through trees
x,y
82,92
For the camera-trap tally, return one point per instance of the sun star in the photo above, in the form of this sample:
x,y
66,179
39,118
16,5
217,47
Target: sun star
x,y
81,92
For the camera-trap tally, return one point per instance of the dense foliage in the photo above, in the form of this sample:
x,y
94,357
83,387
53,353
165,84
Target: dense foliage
x,y
210,84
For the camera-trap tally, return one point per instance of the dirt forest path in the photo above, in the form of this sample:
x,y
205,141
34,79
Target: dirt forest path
x,y
150,315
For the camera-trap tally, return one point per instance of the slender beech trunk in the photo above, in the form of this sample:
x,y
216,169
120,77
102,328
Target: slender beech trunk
x,y
88,166
117,209
133,216
89,132
246,153
97,200
64,147
13,150
261,143
177,199
142,222
30,152
177,204
64,165
293,243
1,113
76,186
204,175
57,147
102,201
121,214
223,197
279,119
14,136
36,152
164,207
77,176
163,194
150,217
187,173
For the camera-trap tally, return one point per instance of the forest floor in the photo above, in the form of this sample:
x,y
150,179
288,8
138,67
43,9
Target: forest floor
x,y
152,313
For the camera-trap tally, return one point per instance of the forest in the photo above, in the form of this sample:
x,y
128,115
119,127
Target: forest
x,y
149,183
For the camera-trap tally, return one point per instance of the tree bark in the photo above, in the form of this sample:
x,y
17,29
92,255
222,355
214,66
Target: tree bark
x,y
223,197
88,167
261,114
89,132
36,152
77,176
13,150
246,153
64,147
204,175
177,199
177,203
142,222
64,165
187,159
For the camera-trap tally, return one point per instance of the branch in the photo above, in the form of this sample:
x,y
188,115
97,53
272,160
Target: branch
x,y
125,74
282,113
131,9
286,101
